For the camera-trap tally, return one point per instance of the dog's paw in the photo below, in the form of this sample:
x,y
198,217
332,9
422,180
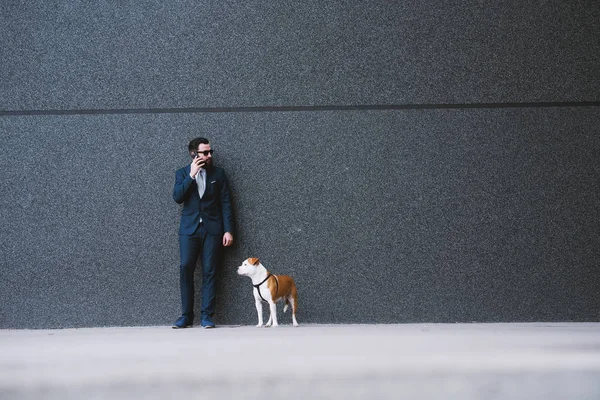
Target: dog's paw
x,y
259,325
274,325
295,324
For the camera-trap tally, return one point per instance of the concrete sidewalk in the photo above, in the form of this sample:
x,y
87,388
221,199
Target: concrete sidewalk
x,y
424,361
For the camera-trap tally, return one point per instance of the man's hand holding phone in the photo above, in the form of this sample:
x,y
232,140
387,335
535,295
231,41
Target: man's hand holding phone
x,y
196,165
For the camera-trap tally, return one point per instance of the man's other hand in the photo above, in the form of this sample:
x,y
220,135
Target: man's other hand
x,y
227,239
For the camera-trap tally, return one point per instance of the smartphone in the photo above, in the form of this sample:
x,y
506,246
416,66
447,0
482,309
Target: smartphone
x,y
195,155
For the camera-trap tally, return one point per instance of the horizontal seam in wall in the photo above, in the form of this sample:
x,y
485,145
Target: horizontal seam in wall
x,y
299,108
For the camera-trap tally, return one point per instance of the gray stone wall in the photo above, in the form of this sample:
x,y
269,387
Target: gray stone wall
x,y
410,162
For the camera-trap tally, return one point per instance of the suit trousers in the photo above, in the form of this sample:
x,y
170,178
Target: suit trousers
x,y
208,247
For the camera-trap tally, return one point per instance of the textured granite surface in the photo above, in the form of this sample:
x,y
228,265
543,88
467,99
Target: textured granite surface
x,y
155,54
381,216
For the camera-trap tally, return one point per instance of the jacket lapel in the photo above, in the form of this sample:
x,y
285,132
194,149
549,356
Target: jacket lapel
x,y
209,178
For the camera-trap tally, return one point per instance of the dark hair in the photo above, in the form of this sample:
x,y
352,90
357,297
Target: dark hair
x,y
194,143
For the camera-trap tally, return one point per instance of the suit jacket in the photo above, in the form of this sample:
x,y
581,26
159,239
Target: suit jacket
x,y
214,208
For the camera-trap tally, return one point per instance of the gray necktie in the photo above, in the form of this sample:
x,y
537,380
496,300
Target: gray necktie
x,y
200,182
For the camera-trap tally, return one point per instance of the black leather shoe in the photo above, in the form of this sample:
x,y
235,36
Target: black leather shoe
x,y
182,322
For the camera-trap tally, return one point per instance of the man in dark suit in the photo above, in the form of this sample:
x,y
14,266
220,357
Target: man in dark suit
x,y
206,227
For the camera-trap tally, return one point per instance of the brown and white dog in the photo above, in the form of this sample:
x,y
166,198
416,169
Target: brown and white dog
x,y
270,288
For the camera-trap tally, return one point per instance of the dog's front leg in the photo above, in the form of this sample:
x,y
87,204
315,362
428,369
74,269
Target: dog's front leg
x,y
259,311
273,317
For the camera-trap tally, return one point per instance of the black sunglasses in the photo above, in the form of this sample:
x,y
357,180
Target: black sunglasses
x,y
204,153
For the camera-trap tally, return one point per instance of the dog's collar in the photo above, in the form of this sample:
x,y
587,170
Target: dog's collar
x,y
264,280
267,278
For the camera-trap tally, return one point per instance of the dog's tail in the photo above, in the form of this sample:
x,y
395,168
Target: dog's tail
x,y
287,304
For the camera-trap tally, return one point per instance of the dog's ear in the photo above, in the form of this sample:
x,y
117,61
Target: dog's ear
x,y
253,261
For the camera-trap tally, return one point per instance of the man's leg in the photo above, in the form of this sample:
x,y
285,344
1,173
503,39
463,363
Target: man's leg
x,y
211,254
189,249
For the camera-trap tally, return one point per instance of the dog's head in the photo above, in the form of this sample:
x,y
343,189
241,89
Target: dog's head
x,y
249,267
